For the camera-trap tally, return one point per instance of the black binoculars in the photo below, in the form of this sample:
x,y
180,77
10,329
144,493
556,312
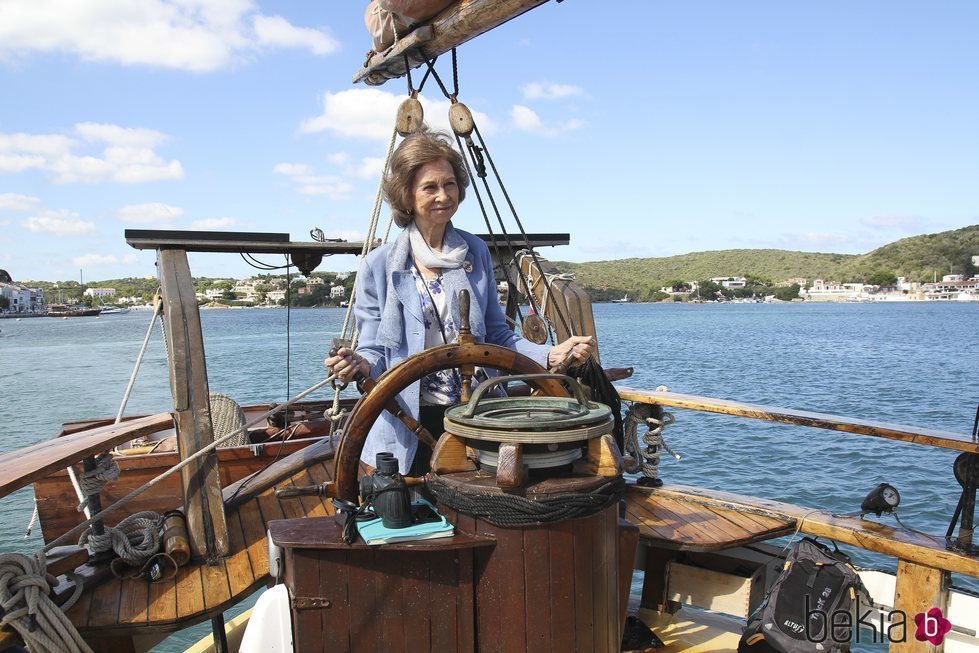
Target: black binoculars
x,y
386,490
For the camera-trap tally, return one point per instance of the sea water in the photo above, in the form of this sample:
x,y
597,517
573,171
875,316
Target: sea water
x,y
906,363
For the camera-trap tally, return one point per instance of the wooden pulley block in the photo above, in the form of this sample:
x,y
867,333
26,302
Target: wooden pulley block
x,y
461,119
410,117
534,329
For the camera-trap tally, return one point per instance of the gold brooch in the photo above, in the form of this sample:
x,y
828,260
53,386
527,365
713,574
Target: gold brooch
x,y
467,266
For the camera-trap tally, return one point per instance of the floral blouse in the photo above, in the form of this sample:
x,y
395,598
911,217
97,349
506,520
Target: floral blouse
x,y
442,387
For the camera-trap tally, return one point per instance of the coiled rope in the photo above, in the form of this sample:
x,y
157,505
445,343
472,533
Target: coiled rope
x,y
135,539
512,510
648,451
27,608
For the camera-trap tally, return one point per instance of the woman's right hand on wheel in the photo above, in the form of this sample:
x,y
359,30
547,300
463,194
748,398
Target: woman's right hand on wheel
x,y
347,364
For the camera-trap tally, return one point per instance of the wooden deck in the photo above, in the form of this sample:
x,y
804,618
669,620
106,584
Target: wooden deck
x,y
670,522
199,592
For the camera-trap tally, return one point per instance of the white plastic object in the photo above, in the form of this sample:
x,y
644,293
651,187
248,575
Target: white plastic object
x,y
270,628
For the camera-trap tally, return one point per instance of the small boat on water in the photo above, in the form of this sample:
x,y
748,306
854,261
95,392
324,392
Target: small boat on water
x,y
624,300
113,310
71,310
553,510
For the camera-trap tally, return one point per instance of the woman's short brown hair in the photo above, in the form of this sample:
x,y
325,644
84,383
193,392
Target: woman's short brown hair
x,y
421,148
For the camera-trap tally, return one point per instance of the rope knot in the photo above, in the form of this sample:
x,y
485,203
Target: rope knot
x,y
92,481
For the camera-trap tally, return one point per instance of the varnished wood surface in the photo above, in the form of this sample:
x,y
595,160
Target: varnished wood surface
x,y
56,498
918,589
200,483
552,587
199,591
867,534
369,599
326,534
415,367
24,466
463,20
568,306
670,522
930,437
206,241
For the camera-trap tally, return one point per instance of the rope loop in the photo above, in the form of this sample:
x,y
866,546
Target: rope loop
x,y
26,607
135,539
648,449
514,511
92,481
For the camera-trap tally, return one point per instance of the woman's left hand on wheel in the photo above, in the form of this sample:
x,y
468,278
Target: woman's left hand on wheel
x,y
576,349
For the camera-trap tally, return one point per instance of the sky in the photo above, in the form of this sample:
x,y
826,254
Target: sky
x,y
642,128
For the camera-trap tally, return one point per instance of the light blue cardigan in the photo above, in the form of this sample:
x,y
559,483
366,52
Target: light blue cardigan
x,y
388,433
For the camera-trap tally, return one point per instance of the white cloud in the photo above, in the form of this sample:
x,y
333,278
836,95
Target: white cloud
x,y
103,260
526,119
135,137
551,91
292,169
18,203
4,223
153,214
370,113
276,31
213,224
59,223
308,183
369,168
196,35
127,155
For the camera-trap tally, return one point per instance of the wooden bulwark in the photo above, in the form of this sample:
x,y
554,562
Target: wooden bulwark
x,y
198,591
929,437
24,466
869,535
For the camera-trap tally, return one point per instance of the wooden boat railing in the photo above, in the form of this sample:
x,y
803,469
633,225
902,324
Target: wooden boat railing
x,y
924,562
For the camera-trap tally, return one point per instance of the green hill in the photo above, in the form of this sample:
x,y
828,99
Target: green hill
x,y
918,258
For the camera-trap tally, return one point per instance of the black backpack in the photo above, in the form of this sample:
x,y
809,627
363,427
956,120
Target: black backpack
x,y
811,606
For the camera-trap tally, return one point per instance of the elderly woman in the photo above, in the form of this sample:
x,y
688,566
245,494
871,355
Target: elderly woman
x,y
408,295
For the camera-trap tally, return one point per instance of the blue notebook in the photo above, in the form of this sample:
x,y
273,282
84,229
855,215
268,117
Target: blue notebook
x,y
430,527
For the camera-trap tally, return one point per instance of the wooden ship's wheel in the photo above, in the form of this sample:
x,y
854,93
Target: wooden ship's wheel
x,y
464,355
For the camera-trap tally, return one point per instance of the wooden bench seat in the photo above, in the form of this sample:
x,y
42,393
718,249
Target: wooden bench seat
x,y
671,522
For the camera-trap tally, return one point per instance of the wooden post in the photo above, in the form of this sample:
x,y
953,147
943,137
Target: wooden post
x,y
188,384
654,580
919,589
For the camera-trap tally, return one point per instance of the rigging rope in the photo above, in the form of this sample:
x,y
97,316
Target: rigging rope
x,y
184,463
476,153
27,608
335,413
157,309
648,457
